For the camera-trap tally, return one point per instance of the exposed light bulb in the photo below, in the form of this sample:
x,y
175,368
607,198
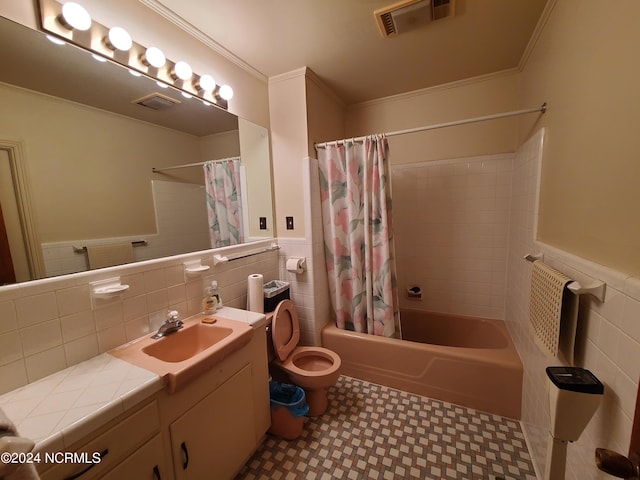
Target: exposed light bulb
x,y
187,95
75,16
162,84
135,73
119,39
183,71
98,58
226,92
207,83
154,57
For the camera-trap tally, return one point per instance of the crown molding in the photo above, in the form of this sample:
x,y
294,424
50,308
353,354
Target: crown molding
x,y
435,88
313,76
537,32
202,37
283,77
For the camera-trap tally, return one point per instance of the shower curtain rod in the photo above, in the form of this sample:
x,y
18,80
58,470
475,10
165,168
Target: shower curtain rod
x,y
197,164
541,109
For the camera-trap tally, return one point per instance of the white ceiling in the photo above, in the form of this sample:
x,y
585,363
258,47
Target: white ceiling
x,y
339,40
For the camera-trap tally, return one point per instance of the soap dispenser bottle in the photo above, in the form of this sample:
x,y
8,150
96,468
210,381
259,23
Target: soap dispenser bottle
x,y
211,301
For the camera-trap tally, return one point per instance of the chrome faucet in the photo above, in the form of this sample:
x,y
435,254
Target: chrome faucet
x,y
172,324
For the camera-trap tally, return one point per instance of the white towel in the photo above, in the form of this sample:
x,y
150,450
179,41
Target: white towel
x,y
109,255
11,442
552,311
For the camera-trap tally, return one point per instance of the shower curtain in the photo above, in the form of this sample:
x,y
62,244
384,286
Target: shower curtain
x,y
224,202
355,189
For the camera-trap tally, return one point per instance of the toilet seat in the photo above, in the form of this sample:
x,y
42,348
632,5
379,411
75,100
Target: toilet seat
x,y
285,329
330,360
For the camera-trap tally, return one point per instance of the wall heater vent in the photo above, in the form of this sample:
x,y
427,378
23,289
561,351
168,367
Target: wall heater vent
x,y
410,14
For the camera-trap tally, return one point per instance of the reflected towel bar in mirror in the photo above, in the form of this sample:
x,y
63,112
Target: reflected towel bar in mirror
x,y
135,243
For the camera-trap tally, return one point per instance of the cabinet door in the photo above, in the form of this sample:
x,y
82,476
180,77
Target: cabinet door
x,y
215,437
146,463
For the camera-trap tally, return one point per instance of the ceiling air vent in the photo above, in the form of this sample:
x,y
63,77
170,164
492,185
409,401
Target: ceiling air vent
x,y
410,14
156,101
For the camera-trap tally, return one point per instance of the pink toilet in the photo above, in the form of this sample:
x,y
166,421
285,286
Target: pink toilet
x,y
312,368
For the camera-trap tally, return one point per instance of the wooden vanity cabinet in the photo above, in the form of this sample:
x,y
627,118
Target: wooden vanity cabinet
x,y
216,435
212,426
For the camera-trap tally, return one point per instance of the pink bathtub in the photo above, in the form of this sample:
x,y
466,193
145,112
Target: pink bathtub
x,y
463,360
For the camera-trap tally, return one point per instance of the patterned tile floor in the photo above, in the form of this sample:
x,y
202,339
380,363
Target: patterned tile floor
x,y
375,432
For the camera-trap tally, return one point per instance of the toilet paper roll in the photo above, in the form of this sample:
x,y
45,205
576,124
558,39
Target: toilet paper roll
x,y
255,295
295,265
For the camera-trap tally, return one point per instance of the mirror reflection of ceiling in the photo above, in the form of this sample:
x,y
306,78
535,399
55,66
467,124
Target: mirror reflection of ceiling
x,y
72,74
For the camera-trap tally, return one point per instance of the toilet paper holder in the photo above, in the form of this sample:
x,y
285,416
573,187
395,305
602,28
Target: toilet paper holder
x,y
296,265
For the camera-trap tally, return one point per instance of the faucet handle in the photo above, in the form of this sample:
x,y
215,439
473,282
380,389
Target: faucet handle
x,y
173,316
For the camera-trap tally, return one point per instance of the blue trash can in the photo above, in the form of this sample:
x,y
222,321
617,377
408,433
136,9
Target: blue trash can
x,y
288,408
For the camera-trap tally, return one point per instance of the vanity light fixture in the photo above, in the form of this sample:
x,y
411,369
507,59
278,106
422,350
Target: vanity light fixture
x,y
135,73
153,57
118,39
75,16
187,95
63,19
182,71
226,92
99,58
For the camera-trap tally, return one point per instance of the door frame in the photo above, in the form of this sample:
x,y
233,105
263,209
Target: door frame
x,y
22,187
634,445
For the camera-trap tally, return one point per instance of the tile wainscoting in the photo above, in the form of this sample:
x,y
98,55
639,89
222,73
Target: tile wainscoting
x,y
51,324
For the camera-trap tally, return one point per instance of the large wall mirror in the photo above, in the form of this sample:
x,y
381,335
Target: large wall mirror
x,y
88,157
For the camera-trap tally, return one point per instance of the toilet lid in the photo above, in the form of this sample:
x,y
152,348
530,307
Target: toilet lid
x,y
285,329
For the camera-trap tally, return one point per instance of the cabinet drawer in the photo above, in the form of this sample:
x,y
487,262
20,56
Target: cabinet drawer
x,y
115,444
146,463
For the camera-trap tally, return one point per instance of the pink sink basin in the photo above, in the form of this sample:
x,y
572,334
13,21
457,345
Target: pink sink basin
x,y
187,342
184,355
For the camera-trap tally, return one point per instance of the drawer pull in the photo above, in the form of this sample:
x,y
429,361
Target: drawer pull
x,y
82,472
185,463
156,473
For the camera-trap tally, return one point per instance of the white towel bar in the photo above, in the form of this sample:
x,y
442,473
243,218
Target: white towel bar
x,y
596,289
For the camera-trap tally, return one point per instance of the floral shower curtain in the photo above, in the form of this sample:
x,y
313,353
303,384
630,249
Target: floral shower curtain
x,y
355,189
224,202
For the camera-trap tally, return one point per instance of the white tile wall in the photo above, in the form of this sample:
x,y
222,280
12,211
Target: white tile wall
x,y
51,324
450,219
607,342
